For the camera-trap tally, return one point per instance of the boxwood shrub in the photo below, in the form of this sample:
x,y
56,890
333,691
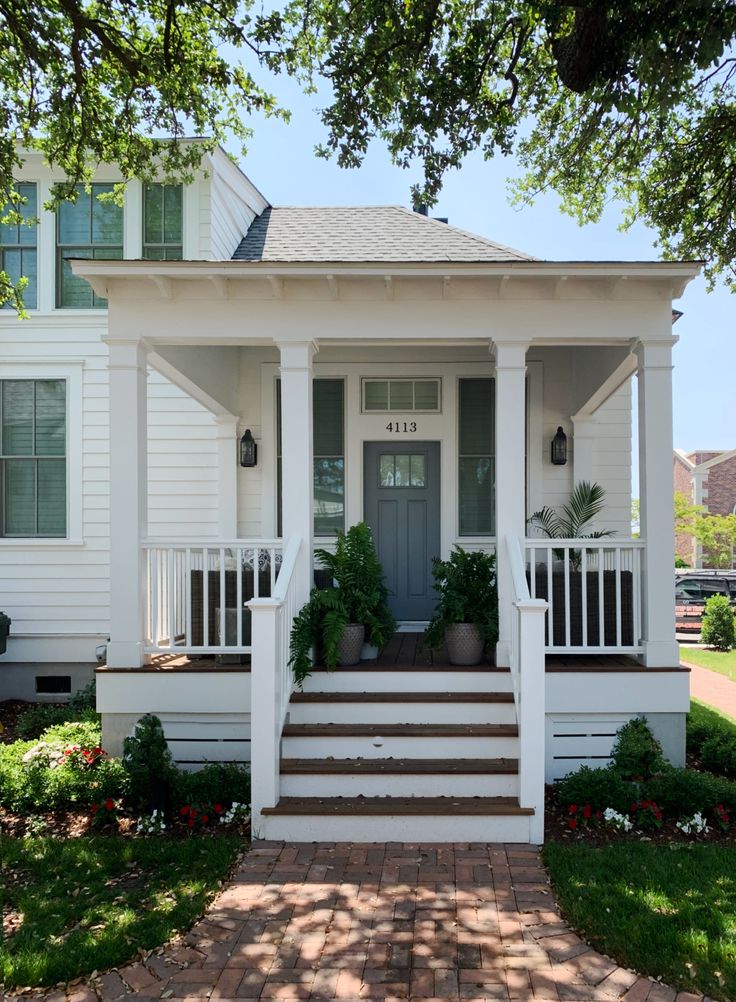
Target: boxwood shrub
x,y
711,738
216,783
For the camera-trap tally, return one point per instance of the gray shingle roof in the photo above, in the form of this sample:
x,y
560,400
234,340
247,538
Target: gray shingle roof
x,y
380,233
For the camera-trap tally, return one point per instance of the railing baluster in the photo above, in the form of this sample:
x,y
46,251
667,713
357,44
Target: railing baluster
x,y
566,572
188,596
584,592
601,602
239,596
205,597
223,601
256,573
170,596
618,596
550,600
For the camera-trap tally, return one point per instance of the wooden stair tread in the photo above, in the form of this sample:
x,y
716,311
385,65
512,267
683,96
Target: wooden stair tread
x,y
387,806
400,766
401,730
402,697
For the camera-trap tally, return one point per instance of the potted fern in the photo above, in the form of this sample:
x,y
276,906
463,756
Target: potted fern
x,y
338,619
466,616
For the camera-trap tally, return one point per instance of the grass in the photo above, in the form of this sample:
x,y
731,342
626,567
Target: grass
x,y
87,904
722,662
665,912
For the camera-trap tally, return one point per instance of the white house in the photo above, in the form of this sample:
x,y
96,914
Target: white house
x,y
391,368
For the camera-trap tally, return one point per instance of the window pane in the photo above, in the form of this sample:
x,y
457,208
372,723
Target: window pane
x,y
17,417
107,218
50,418
75,219
327,409
403,473
376,395
386,476
51,497
153,201
74,292
29,270
26,233
401,395
426,395
476,417
172,213
329,496
20,493
477,516
417,471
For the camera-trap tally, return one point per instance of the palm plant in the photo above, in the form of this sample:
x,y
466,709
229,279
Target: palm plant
x,y
572,520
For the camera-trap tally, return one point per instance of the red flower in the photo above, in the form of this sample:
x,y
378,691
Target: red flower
x,y
205,818
185,810
572,823
95,808
572,809
217,808
587,811
110,804
191,822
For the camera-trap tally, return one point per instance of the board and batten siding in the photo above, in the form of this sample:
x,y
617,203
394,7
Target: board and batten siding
x,y
57,592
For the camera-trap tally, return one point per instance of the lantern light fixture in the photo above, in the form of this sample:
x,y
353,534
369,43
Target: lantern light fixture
x,y
248,449
559,448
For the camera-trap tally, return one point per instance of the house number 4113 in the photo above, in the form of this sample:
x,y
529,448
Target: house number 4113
x,y
399,426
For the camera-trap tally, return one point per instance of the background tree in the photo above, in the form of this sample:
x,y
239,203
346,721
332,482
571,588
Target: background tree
x,y
716,534
87,82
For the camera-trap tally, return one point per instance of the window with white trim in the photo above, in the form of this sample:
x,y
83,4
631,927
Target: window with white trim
x,y
476,457
162,222
18,240
411,396
86,228
33,458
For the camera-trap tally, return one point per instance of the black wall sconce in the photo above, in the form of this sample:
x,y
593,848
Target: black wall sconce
x,y
559,448
248,449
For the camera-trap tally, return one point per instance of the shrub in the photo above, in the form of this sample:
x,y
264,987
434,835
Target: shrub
x,y
86,733
149,767
84,699
718,625
39,717
712,738
217,783
601,788
636,754
683,792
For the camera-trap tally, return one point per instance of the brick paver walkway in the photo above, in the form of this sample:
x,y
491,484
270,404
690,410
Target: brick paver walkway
x,y
711,688
379,922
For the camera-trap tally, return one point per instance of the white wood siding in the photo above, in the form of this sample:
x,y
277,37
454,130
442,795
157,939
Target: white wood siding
x,y
612,459
228,215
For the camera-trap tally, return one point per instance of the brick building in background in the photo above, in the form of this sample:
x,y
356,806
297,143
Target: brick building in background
x,y
707,478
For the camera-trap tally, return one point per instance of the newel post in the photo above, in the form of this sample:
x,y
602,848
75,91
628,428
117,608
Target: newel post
x,y
532,717
265,725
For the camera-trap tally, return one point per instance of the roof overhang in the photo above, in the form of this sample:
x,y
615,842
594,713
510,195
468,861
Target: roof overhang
x,y
674,276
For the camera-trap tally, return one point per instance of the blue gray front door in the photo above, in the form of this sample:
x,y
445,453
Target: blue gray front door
x,y
402,507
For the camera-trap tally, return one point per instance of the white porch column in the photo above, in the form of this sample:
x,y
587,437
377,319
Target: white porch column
x,y
297,488
128,501
655,490
583,458
510,359
226,434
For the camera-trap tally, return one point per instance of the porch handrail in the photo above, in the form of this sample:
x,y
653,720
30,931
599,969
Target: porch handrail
x,y
528,680
271,680
594,589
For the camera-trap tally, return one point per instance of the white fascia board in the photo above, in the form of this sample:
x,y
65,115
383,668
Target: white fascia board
x,y
680,454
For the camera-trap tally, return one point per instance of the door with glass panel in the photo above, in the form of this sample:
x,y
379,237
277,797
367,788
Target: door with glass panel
x,y
402,507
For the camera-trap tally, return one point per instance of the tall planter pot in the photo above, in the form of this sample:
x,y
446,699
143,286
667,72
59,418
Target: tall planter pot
x,y
350,644
464,644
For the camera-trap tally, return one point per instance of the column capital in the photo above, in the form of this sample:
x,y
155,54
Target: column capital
x,y
127,353
296,354
509,354
654,353
225,425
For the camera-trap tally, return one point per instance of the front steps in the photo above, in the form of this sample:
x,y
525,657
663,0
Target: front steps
x,y
410,754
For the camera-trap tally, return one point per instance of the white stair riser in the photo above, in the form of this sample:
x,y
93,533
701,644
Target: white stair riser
x,y
391,828
325,746
402,713
345,680
401,785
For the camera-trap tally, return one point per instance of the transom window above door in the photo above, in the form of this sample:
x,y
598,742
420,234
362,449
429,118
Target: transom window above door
x,y
402,395
402,470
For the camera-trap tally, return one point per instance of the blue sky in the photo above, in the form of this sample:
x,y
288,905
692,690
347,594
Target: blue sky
x,y
282,164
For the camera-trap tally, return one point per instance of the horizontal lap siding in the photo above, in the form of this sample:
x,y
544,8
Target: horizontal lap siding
x,y
225,217
612,459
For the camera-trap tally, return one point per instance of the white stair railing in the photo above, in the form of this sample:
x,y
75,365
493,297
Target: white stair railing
x,y
196,592
528,679
593,587
271,681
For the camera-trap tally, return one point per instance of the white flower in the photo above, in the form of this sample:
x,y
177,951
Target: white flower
x,y
696,824
621,822
155,825
236,812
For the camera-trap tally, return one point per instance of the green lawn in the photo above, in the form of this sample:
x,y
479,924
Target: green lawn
x,y
87,904
654,909
724,663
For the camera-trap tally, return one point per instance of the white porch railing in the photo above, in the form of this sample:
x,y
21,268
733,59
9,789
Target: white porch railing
x,y
196,592
593,588
271,680
528,680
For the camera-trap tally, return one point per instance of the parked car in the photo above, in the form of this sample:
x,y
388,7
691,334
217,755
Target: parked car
x,y
692,591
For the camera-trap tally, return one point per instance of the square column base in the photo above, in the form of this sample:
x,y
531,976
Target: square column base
x,y
126,654
661,654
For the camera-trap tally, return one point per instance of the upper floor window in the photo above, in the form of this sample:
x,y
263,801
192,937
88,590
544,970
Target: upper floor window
x,y
33,457
18,244
162,222
87,228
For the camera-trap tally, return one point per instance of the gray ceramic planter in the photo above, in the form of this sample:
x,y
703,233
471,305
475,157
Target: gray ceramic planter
x,y
350,644
464,644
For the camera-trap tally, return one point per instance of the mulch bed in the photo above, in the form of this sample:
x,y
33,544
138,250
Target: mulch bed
x,y
10,710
